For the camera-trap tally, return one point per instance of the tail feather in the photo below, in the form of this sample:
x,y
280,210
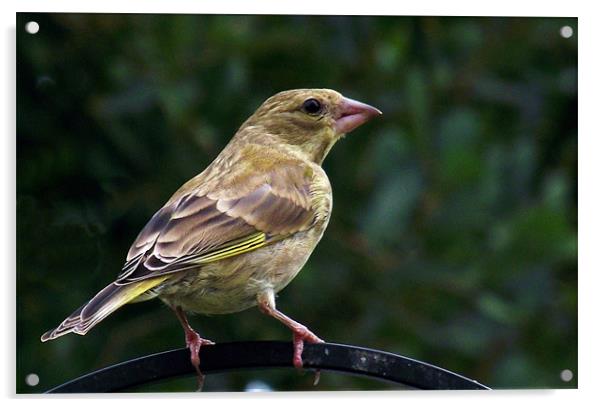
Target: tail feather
x,y
101,306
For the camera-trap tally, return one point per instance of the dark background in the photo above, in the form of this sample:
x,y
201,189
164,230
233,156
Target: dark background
x,y
454,233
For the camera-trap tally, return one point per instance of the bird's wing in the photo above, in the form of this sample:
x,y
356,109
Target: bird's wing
x,y
204,226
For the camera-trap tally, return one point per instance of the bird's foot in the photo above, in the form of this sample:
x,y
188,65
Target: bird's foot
x,y
301,335
266,303
194,343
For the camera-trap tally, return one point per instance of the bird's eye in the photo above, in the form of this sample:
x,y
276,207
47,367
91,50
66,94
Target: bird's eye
x,y
312,106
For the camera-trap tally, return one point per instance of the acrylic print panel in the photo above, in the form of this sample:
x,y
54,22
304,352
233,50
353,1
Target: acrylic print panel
x,y
453,234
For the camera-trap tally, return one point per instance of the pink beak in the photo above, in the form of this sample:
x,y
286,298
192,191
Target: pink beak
x,y
353,114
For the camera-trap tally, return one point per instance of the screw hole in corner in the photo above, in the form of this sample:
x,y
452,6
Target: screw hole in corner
x,y
566,375
32,27
32,379
566,31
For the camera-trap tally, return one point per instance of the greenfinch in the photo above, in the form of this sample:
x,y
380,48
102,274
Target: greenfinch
x,y
240,231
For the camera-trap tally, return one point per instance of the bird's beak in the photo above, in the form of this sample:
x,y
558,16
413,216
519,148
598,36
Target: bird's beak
x,y
353,114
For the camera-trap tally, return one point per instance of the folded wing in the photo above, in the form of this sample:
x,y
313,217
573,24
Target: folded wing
x,y
198,228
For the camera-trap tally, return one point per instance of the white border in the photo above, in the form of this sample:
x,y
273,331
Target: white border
x,y
590,204
372,7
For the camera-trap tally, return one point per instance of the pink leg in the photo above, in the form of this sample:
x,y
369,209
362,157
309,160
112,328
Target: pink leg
x,y
194,343
300,332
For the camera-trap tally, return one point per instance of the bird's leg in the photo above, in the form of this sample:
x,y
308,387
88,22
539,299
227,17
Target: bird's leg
x,y
267,305
194,343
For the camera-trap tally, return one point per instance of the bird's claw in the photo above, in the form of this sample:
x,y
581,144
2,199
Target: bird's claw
x,y
300,336
194,342
316,377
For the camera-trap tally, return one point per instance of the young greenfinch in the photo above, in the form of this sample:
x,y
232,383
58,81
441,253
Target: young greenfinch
x,y
237,233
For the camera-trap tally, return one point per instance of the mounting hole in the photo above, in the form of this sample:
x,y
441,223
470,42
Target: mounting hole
x,y
32,379
566,31
32,27
566,375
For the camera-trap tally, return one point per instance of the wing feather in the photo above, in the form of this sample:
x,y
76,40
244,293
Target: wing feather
x,y
198,227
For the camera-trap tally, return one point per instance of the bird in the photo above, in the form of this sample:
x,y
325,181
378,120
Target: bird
x,y
236,234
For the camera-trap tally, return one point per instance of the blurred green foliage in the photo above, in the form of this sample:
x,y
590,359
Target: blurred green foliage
x,y
454,233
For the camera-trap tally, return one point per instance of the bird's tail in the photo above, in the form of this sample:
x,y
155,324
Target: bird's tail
x,y
102,305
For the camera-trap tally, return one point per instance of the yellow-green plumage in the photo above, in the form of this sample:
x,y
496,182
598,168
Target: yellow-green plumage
x,y
242,229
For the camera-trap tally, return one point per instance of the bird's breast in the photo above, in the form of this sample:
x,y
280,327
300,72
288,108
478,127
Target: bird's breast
x,y
321,198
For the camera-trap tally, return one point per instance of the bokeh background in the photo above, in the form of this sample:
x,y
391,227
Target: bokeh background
x,y
454,233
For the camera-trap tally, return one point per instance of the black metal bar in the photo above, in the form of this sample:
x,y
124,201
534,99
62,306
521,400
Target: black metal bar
x,y
224,357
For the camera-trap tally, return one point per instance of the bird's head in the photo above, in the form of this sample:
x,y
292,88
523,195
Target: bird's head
x,y
309,120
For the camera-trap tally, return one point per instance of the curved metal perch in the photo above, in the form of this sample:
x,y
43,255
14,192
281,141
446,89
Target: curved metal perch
x,y
224,357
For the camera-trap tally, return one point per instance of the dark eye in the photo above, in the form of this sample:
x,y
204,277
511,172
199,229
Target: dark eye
x,y
312,106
